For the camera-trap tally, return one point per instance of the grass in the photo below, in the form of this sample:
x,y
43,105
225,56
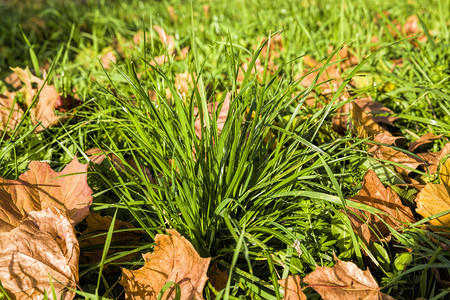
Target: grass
x,y
277,175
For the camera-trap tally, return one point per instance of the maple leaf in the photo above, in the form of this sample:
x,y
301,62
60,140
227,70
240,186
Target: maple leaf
x,y
44,110
212,107
374,193
344,281
292,288
43,244
95,235
40,187
435,198
174,259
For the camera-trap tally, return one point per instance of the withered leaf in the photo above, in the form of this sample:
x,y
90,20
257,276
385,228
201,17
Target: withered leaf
x,y
94,237
221,117
374,193
344,281
169,43
40,187
44,243
391,154
218,278
174,259
433,159
424,139
7,111
44,110
363,124
435,198
292,288
375,109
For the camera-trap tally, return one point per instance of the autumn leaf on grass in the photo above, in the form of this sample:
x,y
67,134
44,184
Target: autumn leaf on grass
x,y
40,187
169,43
212,108
424,139
174,259
377,111
44,243
435,198
373,193
345,281
94,237
363,124
292,288
433,159
9,116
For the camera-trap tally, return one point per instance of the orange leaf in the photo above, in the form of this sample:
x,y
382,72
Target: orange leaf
x,y
363,124
424,139
40,187
435,198
374,193
345,281
292,288
391,154
45,243
174,259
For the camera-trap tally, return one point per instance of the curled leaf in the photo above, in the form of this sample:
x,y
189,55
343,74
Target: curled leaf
x,y
173,260
345,281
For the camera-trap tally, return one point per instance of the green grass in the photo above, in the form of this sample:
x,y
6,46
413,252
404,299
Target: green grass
x,y
246,196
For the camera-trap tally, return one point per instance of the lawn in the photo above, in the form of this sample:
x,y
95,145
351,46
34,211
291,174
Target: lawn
x,y
224,149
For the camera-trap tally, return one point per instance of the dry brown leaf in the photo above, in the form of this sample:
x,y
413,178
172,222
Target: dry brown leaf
x,y
174,259
40,187
292,288
172,15
374,109
345,281
374,193
45,243
44,110
433,159
6,106
95,235
391,154
169,44
387,139
435,198
218,278
363,124
275,47
13,80
424,139
212,107
108,58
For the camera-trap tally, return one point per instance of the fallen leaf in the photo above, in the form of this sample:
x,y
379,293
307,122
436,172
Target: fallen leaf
x,y
94,237
433,159
374,109
206,10
44,110
373,193
174,259
40,187
172,15
45,243
13,80
391,154
6,107
218,278
292,288
107,58
345,281
424,139
363,124
212,108
275,47
435,198
169,44
387,139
